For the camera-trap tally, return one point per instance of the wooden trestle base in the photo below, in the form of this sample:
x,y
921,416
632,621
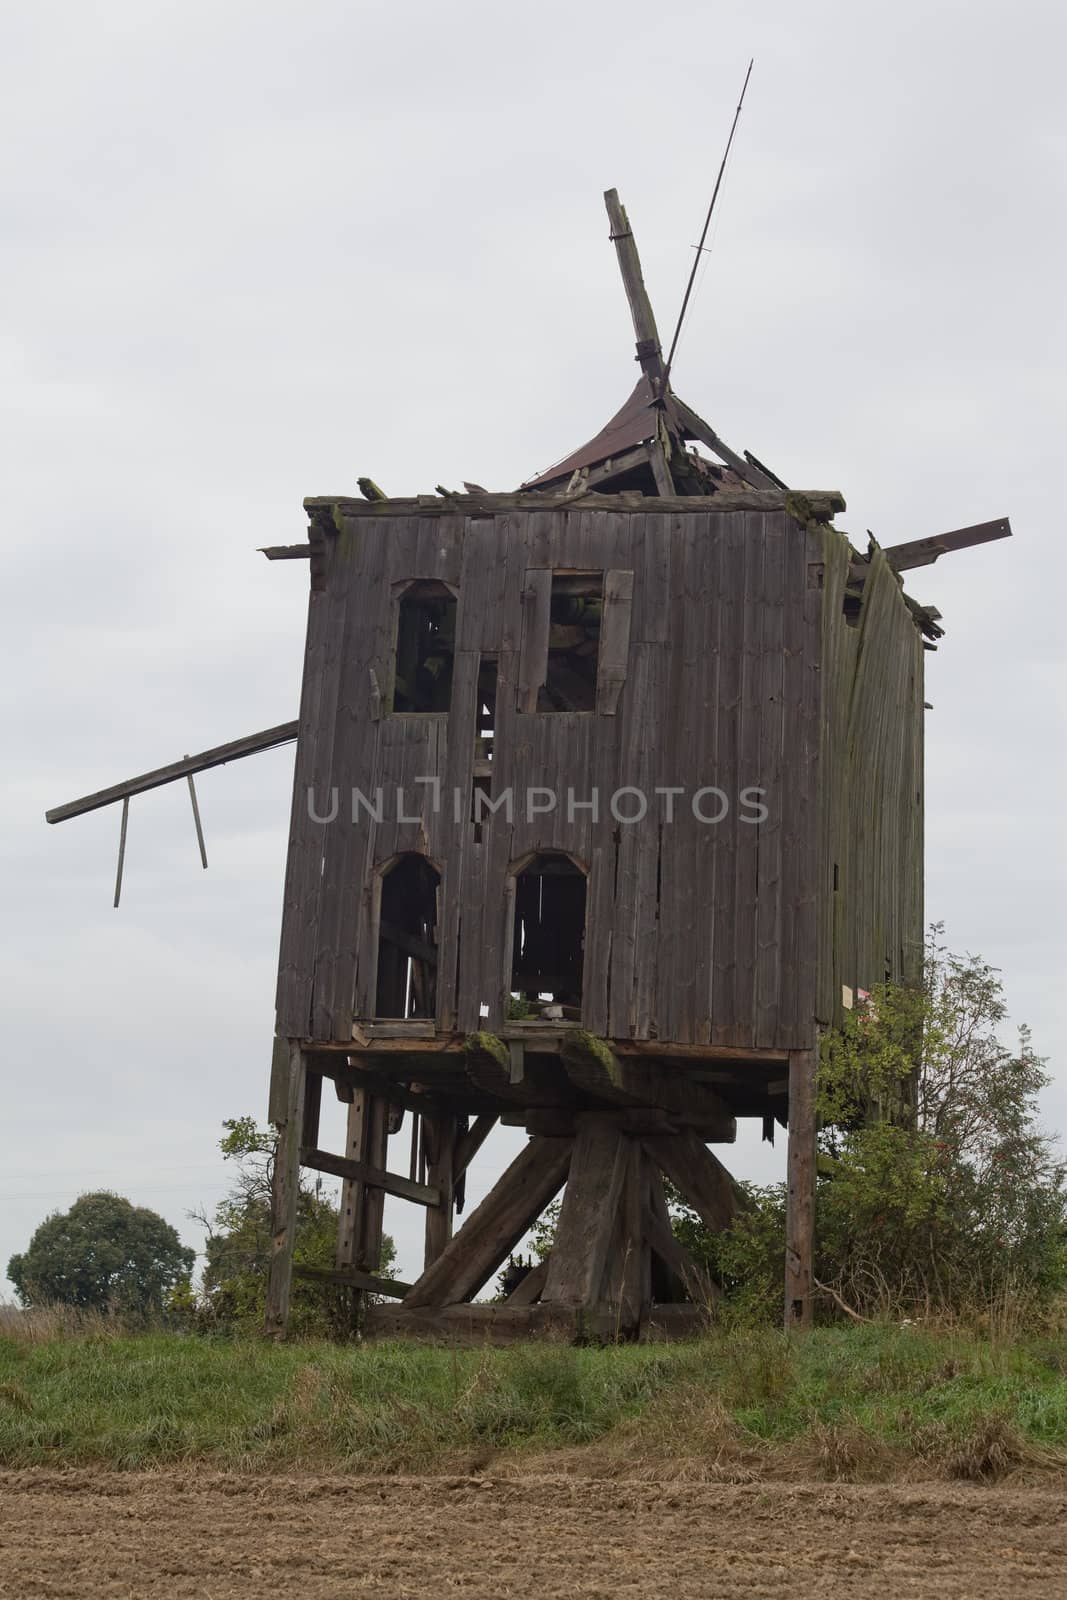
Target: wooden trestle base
x,y
615,1270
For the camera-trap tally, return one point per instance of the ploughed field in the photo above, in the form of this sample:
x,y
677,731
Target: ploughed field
x,y
882,1460
104,1533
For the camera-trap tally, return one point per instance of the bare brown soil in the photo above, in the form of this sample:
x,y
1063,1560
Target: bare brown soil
x,y
175,1534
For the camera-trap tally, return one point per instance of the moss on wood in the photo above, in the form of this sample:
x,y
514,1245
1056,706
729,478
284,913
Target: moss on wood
x,y
487,1044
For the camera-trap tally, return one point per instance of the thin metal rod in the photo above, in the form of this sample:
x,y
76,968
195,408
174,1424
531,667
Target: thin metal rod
x,y
196,819
122,848
707,225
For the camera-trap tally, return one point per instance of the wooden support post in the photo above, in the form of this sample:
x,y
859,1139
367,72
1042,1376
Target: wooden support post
x,y
496,1226
440,1134
285,1191
359,1223
369,1234
589,1214
635,1287
648,346
352,1188
800,1192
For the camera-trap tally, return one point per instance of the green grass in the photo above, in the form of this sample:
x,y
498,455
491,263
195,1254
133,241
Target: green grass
x,y
871,1402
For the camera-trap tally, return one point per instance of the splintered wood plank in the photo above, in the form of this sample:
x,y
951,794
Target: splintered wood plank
x,y
696,1173
614,640
494,1228
588,1215
285,1190
648,346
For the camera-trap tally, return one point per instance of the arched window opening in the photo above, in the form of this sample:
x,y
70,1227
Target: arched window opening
x,y
425,648
407,940
549,933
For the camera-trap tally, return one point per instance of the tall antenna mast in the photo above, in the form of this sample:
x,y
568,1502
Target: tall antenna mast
x,y
707,225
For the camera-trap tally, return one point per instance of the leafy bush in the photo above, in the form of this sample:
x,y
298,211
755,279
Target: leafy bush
x,y
238,1247
937,1192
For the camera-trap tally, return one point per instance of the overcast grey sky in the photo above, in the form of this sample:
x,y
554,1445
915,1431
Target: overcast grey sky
x,y
251,251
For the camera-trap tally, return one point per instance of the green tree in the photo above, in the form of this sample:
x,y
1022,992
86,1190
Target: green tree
x,y
237,1250
104,1254
937,1188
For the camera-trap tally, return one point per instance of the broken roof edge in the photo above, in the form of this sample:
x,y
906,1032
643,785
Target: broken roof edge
x,y
818,505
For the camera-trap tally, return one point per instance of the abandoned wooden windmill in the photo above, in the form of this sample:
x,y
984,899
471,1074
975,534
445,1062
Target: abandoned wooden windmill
x,y
608,798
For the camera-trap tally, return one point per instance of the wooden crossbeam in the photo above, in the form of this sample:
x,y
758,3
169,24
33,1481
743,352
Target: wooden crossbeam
x,y
352,1278
824,503
250,745
594,1068
924,552
360,1172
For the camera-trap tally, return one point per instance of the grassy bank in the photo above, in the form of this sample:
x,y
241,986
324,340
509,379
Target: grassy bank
x,y
855,1404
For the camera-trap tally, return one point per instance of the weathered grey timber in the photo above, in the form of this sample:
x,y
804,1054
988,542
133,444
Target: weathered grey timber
x,y
608,800
741,673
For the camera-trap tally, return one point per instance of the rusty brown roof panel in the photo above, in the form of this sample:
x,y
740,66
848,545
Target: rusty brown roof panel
x,y
630,426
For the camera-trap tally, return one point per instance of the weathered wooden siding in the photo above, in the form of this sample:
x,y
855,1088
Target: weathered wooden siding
x,y
871,786
696,933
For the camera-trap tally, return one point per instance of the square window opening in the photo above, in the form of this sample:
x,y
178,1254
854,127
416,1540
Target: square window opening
x,y
576,612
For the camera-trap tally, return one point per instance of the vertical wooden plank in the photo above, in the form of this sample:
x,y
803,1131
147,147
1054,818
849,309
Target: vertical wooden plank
x,y
536,624
746,841
730,634
614,640
712,842
439,1134
372,1211
635,1291
771,776
800,1191
364,645
352,1191
285,1192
